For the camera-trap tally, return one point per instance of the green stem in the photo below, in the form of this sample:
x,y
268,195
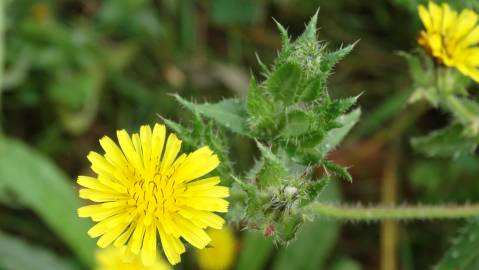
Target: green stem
x,y
458,108
375,213
2,53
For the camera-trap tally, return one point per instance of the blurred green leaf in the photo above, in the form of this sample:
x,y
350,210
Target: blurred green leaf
x,y
346,264
382,112
72,90
16,254
256,249
463,254
41,186
313,243
130,18
447,142
77,96
231,113
234,12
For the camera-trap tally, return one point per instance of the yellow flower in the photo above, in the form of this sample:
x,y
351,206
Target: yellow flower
x,y
451,37
142,188
221,252
112,259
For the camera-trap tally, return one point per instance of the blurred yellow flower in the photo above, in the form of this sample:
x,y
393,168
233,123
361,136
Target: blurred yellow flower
x,y
112,259
142,188
221,252
451,37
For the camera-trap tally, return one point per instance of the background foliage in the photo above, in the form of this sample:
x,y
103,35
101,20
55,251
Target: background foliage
x,y
76,70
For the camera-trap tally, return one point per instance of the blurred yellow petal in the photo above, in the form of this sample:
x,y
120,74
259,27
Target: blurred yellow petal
x,y
451,37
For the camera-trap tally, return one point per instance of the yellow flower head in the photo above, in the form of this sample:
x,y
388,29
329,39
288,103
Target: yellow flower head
x,y
112,259
143,187
221,252
451,37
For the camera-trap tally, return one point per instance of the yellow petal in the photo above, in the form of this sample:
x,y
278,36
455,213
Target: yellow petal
x,y
120,241
92,183
208,204
215,192
173,146
157,144
108,238
197,164
136,240
425,17
465,23
129,150
148,252
169,247
145,136
436,16
103,226
191,233
205,217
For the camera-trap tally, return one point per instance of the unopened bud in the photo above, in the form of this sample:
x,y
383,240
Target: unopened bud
x,y
268,231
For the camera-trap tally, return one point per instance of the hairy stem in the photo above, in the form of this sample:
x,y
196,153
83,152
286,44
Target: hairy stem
x,y
376,213
2,44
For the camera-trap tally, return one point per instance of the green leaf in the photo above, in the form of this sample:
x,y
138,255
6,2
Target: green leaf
x,y
313,90
256,250
295,123
313,243
16,254
260,108
463,254
287,227
41,186
285,40
421,68
314,189
310,31
230,113
337,170
447,142
466,111
335,136
272,171
283,83
331,59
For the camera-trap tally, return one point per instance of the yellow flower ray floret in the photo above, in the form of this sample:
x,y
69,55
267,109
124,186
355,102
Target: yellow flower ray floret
x,y
111,258
144,189
451,37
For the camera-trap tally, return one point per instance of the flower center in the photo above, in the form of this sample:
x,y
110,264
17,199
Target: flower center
x,y
153,197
